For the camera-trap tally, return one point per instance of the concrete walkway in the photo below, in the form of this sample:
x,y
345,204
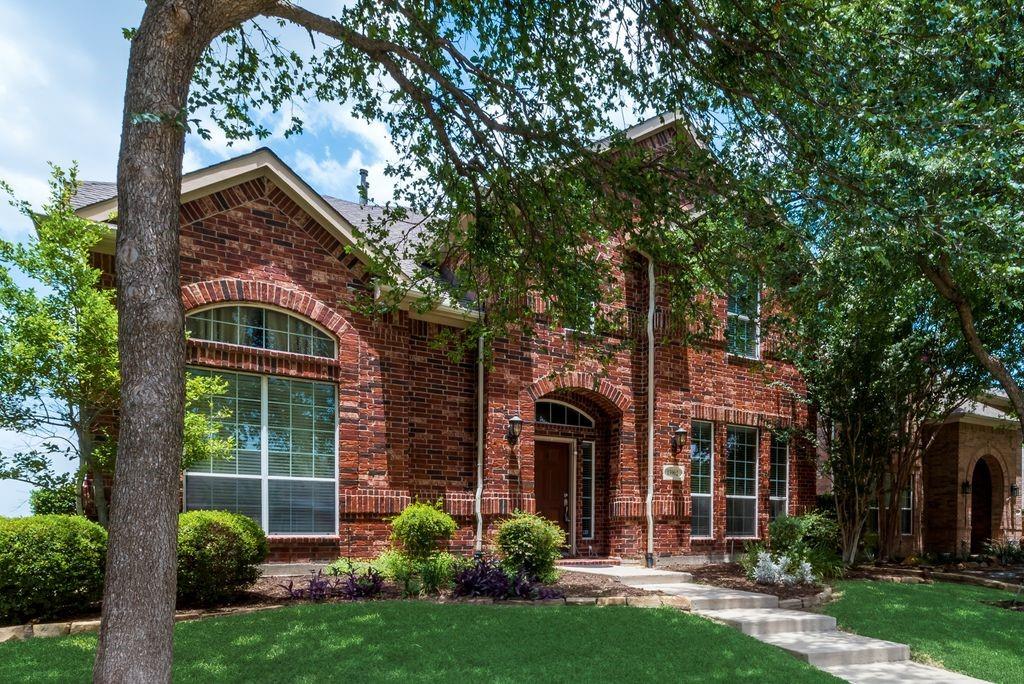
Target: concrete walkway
x,y
809,636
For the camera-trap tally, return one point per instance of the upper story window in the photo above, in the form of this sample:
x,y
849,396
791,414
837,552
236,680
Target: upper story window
x,y
256,326
741,331
557,413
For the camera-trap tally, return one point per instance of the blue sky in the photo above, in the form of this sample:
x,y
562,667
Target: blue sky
x,y
62,71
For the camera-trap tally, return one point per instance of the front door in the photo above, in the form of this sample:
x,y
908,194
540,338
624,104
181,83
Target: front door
x,y
551,469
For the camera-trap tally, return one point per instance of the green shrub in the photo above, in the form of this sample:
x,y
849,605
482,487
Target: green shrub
x,y
812,537
437,571
50,565
218,555
531,544
748,561
421,528
60,500
343,566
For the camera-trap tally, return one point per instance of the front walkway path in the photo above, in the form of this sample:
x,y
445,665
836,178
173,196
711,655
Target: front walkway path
x,y
808,636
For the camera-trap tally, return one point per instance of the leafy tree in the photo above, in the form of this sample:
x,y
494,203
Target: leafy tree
x,y
898,122
61,500
58,361
882,368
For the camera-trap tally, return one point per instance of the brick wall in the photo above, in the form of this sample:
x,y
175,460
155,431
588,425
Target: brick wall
x,y
406,412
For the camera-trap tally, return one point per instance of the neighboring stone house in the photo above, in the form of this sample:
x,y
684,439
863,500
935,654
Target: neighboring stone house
x,y
342,420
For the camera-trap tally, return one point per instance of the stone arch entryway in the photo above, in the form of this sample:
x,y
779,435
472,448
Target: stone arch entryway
x,y
986,502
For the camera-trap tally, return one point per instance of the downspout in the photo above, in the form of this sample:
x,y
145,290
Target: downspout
x,y
649,501
478,498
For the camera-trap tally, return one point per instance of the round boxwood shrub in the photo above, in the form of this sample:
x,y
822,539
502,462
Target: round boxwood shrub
x,y
50,565
219,554
530,544
421,527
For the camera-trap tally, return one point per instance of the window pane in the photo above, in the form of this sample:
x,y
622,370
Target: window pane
x,y
741,337
236,495
741,465
560,414
740,517
700,457
301,507
700,516
777,509
255,326
587,489
779,472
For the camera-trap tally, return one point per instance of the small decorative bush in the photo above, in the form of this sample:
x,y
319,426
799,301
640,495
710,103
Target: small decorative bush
x,y
437,571
1007,552
812,537
60,500
421,528
530,544
219,554
781,570
488,578
343,566
50,565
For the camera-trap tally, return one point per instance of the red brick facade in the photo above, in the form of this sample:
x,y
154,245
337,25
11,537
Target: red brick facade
x,y
407,413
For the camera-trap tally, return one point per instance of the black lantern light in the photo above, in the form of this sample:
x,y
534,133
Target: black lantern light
x,y
679,438
1014,490
515,428
965,487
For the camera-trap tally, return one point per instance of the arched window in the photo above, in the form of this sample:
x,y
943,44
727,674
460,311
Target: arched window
x,y
557,413
261,327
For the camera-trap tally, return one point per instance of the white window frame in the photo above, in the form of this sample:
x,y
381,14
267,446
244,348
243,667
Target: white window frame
x,y
711,482
268,307
264,475
910,487
743,317
757,482
785,497
593,423
593,477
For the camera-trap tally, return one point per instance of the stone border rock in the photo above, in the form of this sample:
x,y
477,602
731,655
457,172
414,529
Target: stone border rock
x,y
55,629
821,598
926,576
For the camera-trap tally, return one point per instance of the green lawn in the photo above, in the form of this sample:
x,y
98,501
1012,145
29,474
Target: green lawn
x,y
945,624
413,641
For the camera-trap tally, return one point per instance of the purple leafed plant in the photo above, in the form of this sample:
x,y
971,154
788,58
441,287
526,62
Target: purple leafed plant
x,y
353,586
486,578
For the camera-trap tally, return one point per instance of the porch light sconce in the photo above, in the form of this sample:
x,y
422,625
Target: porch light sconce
x,y
515,428
1014,491
965,487
678,438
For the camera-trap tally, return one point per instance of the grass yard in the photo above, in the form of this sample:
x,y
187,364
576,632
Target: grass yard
x,y
944,624
417,641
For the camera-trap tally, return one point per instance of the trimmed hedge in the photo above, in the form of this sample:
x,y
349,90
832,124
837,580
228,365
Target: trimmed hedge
x,y
421,528
50,565
219,554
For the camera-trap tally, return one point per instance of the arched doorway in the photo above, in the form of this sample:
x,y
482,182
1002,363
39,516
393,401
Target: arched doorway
x,y
981,506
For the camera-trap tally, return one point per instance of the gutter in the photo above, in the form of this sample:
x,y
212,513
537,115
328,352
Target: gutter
x,y
649,500
478,497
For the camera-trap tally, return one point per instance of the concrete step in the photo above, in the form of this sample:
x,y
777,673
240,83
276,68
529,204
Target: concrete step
x,y
704,597
655,577
890,673
828,649
772,620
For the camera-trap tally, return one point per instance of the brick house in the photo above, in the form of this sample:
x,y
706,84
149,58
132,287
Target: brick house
x,y
341,420
967,486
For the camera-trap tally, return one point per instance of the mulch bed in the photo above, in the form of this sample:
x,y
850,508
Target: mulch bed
x,y
732,576
587,584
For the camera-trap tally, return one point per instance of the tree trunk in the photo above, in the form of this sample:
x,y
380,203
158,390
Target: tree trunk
x,y
140,586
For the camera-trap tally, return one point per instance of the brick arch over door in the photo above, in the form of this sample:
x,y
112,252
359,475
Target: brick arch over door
x,y
591,383
241,291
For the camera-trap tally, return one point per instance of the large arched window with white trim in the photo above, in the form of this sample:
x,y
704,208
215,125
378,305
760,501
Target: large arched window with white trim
x,y
560,413
261,327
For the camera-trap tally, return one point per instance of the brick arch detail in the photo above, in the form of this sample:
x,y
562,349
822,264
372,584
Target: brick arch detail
x,y
581,381
207,292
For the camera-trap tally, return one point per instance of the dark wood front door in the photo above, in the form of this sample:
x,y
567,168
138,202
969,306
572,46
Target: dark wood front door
x,y
551,468
981,506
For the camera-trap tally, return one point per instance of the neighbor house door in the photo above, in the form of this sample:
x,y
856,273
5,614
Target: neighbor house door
x,y
551,468
981,506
